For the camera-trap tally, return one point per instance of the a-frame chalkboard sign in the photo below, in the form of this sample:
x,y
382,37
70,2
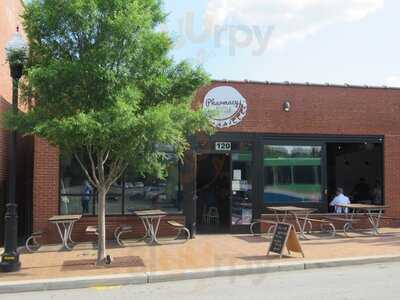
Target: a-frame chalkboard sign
x,y
285,236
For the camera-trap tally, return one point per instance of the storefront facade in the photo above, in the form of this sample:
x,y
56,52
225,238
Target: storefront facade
x,y
293,144
286,144
274,144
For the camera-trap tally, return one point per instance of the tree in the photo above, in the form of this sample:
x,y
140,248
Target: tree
x,y
105,87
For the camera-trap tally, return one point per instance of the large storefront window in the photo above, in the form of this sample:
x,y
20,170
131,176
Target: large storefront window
x,y
76,194
292,174
131,192
151,193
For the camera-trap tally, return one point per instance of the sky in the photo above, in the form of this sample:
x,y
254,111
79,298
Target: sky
x,y
319,41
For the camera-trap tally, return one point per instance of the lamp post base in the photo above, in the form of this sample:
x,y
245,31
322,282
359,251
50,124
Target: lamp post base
x,y
10,258
11,265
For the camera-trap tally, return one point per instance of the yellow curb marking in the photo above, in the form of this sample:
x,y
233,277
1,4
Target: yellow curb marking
x,y
105,287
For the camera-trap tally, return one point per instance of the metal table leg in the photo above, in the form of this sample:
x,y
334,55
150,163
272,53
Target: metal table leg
x,y
152,233
156,230
349,225
63,234
146,230
374,220
151,230
301,227
70,228
60,233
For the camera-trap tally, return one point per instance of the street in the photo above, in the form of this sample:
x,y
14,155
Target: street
x,y
378,281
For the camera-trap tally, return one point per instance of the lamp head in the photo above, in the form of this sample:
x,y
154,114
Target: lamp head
x,y
17,53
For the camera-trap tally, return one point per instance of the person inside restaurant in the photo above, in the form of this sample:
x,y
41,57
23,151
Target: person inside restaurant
x,y
340,199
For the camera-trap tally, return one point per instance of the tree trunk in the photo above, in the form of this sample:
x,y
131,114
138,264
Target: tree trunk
x,y
101,247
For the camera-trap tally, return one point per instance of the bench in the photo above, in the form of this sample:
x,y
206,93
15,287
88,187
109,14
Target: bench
x,y
323,224
92,230
262,221
32,243
180,228
120,230
348,222
388,218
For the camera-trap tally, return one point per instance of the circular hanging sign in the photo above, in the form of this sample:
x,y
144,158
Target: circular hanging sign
x,y
226,106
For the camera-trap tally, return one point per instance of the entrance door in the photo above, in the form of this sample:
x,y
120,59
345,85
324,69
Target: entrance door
x,y
213,191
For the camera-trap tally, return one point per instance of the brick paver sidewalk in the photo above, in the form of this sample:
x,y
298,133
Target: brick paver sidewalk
x,y
203,252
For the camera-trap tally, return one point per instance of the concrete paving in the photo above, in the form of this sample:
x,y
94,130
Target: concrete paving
x,y
207,255
376,281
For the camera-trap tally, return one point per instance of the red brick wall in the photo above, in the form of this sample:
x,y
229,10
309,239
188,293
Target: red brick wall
x,y
45,184
326,110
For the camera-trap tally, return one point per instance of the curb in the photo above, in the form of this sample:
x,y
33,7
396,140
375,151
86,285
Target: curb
x,y
9,287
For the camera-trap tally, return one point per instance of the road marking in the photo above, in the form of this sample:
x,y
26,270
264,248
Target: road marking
x,y
105,287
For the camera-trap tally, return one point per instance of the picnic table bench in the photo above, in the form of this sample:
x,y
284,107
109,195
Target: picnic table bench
x,y
373,213
325,225
347,222
294,211
32,244
180,228
118,231
262,221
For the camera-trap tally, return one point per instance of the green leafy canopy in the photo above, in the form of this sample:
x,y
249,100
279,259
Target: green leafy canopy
x,y
103,82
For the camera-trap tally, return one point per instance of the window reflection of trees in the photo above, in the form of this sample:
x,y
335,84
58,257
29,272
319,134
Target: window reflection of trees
x,y
131,192
292,173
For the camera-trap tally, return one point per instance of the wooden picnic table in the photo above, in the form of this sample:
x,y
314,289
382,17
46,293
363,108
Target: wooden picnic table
x,y
65,225
296,212
373,212
151,221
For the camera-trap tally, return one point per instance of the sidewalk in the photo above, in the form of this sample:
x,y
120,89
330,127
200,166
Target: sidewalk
x,y
206,252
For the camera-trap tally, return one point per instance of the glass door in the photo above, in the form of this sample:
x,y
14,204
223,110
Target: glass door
x,y
242,188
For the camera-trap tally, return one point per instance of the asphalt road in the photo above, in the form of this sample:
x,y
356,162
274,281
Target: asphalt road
x,y
380,281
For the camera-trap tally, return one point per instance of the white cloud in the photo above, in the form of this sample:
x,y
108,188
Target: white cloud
x,y
393,81
292,19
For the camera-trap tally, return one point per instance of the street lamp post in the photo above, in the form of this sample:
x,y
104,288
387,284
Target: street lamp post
x,y
16,51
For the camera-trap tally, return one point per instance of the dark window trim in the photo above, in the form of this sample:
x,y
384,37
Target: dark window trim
x,y
323,138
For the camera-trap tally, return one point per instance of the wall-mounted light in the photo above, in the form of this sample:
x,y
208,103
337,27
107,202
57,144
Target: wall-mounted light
x,y
286,106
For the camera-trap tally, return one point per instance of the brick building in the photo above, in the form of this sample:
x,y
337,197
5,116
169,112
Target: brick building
x,y
275,144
